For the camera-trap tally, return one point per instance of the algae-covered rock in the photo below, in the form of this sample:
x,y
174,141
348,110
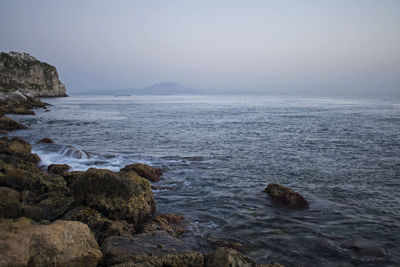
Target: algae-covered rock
x,y
149,249
62,243
286,196
118,196
58,168
9,124
143,170
101,226
165,222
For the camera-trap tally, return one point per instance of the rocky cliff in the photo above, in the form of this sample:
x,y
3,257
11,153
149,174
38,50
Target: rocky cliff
x,y
26,74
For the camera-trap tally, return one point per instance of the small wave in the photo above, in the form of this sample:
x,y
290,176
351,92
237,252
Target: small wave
x,y
72,152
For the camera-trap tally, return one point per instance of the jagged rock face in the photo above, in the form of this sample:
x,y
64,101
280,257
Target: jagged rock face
x,y
22,72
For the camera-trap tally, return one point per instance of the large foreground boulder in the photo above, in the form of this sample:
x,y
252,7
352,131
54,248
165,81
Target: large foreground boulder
x,y
286,196
150,173
62,243
149,249
118,196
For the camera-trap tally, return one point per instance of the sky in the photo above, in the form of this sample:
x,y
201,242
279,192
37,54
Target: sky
x,y
290,47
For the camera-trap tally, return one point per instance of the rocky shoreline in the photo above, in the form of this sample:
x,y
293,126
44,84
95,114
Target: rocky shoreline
x,y
96,217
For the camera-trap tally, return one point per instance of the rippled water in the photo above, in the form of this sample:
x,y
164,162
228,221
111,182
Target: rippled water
x,y
220,152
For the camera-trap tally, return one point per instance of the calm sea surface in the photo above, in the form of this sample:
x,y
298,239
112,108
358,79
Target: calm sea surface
x,y
220,152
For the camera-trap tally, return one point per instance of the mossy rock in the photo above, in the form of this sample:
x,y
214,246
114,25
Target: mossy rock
x,y
118,196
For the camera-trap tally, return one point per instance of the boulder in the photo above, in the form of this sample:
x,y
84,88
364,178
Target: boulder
x,y
3,132
118,196
46,141
143,170
101,226
149,249
286,196
62,243
58,168
165,222
9,124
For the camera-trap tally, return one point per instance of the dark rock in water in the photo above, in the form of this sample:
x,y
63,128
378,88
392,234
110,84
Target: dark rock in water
x,y
10,125
149,249
101,226
286,196
216,243
58,168
118,196
3,132
156,187
46,141
165,222
143,170
62,243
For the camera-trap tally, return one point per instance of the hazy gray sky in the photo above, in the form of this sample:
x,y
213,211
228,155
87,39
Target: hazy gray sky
x,y
348,46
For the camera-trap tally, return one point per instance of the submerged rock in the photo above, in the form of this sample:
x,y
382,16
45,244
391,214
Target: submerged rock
x,y
149,249
58,168
118,196
101,226
9,124
286,196
224,243
62,243
143,170
46,141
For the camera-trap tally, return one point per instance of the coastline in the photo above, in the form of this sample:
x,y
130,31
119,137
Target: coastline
x,y
117,207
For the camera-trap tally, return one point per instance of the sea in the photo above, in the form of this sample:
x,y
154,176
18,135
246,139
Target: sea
x,y
219,153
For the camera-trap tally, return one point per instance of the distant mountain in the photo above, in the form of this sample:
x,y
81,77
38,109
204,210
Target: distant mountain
x,y
165,88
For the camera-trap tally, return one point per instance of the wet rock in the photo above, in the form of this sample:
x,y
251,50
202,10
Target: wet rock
x,y
58,168
156,187
149,249
62,243
286,196
9,124
101,226
143,170
165,222
17,148
223,243
46,141
118,196
3,132
227,257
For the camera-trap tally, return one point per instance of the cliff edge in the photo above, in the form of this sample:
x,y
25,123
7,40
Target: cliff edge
x,y
26,74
